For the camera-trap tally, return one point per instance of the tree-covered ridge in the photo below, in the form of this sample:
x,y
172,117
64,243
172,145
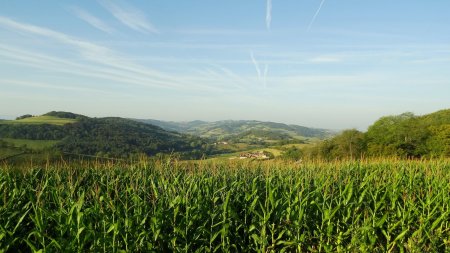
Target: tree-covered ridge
x,y
232,129
404,135
119,137
106,137
65,115
32,131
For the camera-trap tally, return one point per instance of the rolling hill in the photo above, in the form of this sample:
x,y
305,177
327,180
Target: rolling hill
x,y
242,129
77,134
119,137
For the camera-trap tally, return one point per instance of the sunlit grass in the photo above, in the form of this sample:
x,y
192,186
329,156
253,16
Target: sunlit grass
x,y
40,120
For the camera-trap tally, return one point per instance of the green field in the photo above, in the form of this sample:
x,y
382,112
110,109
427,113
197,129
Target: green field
x,y
7,152
31,144
40,120
233,206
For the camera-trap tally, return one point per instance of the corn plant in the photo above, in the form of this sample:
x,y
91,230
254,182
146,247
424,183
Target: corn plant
x,y
233,206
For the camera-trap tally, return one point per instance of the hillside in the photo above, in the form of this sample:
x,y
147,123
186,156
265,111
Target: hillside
x,y
118,137
77,134
39,120
405,136
235,130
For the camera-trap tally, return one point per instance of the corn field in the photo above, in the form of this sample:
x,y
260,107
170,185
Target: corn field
x,y
251,206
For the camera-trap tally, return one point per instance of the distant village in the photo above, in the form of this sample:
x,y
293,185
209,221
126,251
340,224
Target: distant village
x,y
258,155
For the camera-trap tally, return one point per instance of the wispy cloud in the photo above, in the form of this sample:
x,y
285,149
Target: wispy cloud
x,y
92,20
325,59
130,16
315,15
256,64
262,76
96,61
84,47
237,80
268,14
34,84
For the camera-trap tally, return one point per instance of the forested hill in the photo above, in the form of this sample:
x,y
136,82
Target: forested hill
x,y
404,135
112,137
229,129
119,137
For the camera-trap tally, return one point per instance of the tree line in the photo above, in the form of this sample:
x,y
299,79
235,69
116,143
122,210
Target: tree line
x,y
404,136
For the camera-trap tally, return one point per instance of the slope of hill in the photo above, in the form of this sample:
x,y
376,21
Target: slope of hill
x,y
181,127
231,129
405,135
39,120
118,137
65,115
78,134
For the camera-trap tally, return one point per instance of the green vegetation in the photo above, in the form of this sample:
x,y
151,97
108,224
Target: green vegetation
x,y
249,131
24,116
163,204
6,152
31,144
405,135
40,120
65,115
120,138
169,206
102,137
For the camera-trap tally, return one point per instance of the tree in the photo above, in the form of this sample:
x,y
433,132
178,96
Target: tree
x,y
390,135
24,116
350,143
439,142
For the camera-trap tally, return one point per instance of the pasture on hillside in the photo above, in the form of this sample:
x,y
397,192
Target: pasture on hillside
x,y
40,120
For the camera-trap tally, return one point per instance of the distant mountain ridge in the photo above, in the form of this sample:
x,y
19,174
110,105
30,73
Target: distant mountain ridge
x,y
227,129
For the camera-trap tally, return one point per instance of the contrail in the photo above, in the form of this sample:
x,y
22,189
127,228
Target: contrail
x,y
315,15
269,14
258,70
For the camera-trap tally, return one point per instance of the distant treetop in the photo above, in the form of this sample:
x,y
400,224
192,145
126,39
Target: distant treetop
x,y
24,116
65,115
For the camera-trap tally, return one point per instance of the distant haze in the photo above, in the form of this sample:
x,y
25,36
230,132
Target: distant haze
x,y
325,64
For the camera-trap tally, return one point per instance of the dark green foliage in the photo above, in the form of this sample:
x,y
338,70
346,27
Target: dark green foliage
x,y
107,137
32,131
117,137
350,144
404,135
292,153
407,135
65,115
24,116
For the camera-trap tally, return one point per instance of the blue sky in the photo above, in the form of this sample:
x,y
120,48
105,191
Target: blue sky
x,y
332,64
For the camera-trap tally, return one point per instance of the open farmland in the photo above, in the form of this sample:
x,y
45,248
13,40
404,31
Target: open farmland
x,y
250,206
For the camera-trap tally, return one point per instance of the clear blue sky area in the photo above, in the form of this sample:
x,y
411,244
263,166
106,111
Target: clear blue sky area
x,y
320,63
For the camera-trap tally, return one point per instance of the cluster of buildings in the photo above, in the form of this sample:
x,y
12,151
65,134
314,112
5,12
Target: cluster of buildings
x,y
257,155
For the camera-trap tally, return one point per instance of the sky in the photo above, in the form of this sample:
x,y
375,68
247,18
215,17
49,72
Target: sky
x,y
333,64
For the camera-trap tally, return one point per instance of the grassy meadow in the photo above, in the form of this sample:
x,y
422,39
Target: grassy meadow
x,y
233,206
40,120
31,144
7,152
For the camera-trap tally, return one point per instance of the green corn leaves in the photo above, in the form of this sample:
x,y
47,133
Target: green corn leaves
x,y
376,206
